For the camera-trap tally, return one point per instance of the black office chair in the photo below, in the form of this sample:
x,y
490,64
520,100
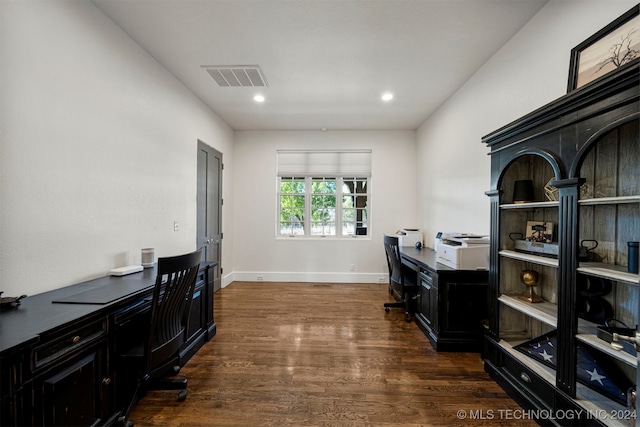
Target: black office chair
x,y
158,356
401,286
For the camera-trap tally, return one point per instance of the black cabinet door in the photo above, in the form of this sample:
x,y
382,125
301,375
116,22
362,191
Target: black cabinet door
x,y
11,393
196,316
73,394
63,390
466,307
429,300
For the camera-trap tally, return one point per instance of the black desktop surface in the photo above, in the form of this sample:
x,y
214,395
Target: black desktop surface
x,y
425,257
44,312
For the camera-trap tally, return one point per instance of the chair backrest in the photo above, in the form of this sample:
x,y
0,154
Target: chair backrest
x,y
394,262
170,307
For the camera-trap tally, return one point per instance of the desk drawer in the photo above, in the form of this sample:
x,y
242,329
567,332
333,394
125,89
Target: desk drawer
x,y
67,342
528,381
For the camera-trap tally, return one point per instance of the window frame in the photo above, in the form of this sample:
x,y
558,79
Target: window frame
x,y
339,209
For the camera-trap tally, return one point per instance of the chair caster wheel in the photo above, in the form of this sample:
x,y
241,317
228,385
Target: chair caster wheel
x,y
122,421
386,309
182,395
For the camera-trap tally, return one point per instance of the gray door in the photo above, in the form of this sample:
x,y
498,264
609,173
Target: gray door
x,y
209,216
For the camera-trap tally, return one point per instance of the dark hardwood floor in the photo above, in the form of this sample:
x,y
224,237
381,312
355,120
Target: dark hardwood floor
x,y
304,354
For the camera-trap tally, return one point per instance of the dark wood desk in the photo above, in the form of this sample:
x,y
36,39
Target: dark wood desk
x,y
451,304
58,349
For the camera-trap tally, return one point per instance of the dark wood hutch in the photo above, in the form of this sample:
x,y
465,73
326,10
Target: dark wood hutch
x,y
583,151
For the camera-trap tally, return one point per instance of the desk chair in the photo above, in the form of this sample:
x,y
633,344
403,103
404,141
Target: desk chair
x,y
401,287
158,355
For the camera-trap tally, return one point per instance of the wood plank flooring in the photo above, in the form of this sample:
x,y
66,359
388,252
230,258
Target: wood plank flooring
x,y
305,354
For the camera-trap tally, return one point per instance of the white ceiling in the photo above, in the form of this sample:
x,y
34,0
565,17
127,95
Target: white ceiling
x,y
326,62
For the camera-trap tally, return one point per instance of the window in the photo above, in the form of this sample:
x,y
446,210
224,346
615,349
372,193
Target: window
x,y
292,206
354,206
323,193
323,206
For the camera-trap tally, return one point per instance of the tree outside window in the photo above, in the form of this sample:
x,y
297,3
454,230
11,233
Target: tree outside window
x,y
354,206
292,206
310,206
323,206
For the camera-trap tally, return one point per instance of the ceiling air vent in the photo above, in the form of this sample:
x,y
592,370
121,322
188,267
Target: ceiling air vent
x,y
237,75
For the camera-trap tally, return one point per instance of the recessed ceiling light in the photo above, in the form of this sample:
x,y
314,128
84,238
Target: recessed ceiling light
x,y
258,98
387,96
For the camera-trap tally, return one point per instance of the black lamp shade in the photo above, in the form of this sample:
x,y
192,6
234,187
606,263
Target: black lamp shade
x,y
523,191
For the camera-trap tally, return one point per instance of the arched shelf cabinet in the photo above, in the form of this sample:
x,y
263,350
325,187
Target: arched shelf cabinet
x,y
581,155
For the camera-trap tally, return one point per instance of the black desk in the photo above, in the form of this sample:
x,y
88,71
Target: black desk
x,y
451,304
57,359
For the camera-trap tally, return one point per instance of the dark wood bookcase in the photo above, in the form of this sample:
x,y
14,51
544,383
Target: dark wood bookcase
x,y
582,154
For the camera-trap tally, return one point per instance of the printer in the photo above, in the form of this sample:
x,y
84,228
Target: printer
x,y
463,251
409,237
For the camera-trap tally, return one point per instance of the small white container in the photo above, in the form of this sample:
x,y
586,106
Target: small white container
x,y
148,257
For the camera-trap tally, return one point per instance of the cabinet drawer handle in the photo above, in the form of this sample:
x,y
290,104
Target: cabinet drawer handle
x,y
524,377
106,381
76,339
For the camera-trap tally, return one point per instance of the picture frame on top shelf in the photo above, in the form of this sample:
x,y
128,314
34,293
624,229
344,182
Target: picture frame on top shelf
x,y
613,47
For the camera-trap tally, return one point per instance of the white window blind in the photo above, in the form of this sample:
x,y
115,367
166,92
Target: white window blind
x,y
303,163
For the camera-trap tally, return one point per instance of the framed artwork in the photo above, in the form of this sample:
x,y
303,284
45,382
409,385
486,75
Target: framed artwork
x,y
539,231
612,47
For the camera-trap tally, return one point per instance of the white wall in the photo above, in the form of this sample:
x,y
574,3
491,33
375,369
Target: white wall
x,y
98,149
98,152
257,251
530,71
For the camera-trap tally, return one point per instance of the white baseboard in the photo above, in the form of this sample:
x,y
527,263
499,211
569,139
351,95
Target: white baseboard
x,y
305,277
